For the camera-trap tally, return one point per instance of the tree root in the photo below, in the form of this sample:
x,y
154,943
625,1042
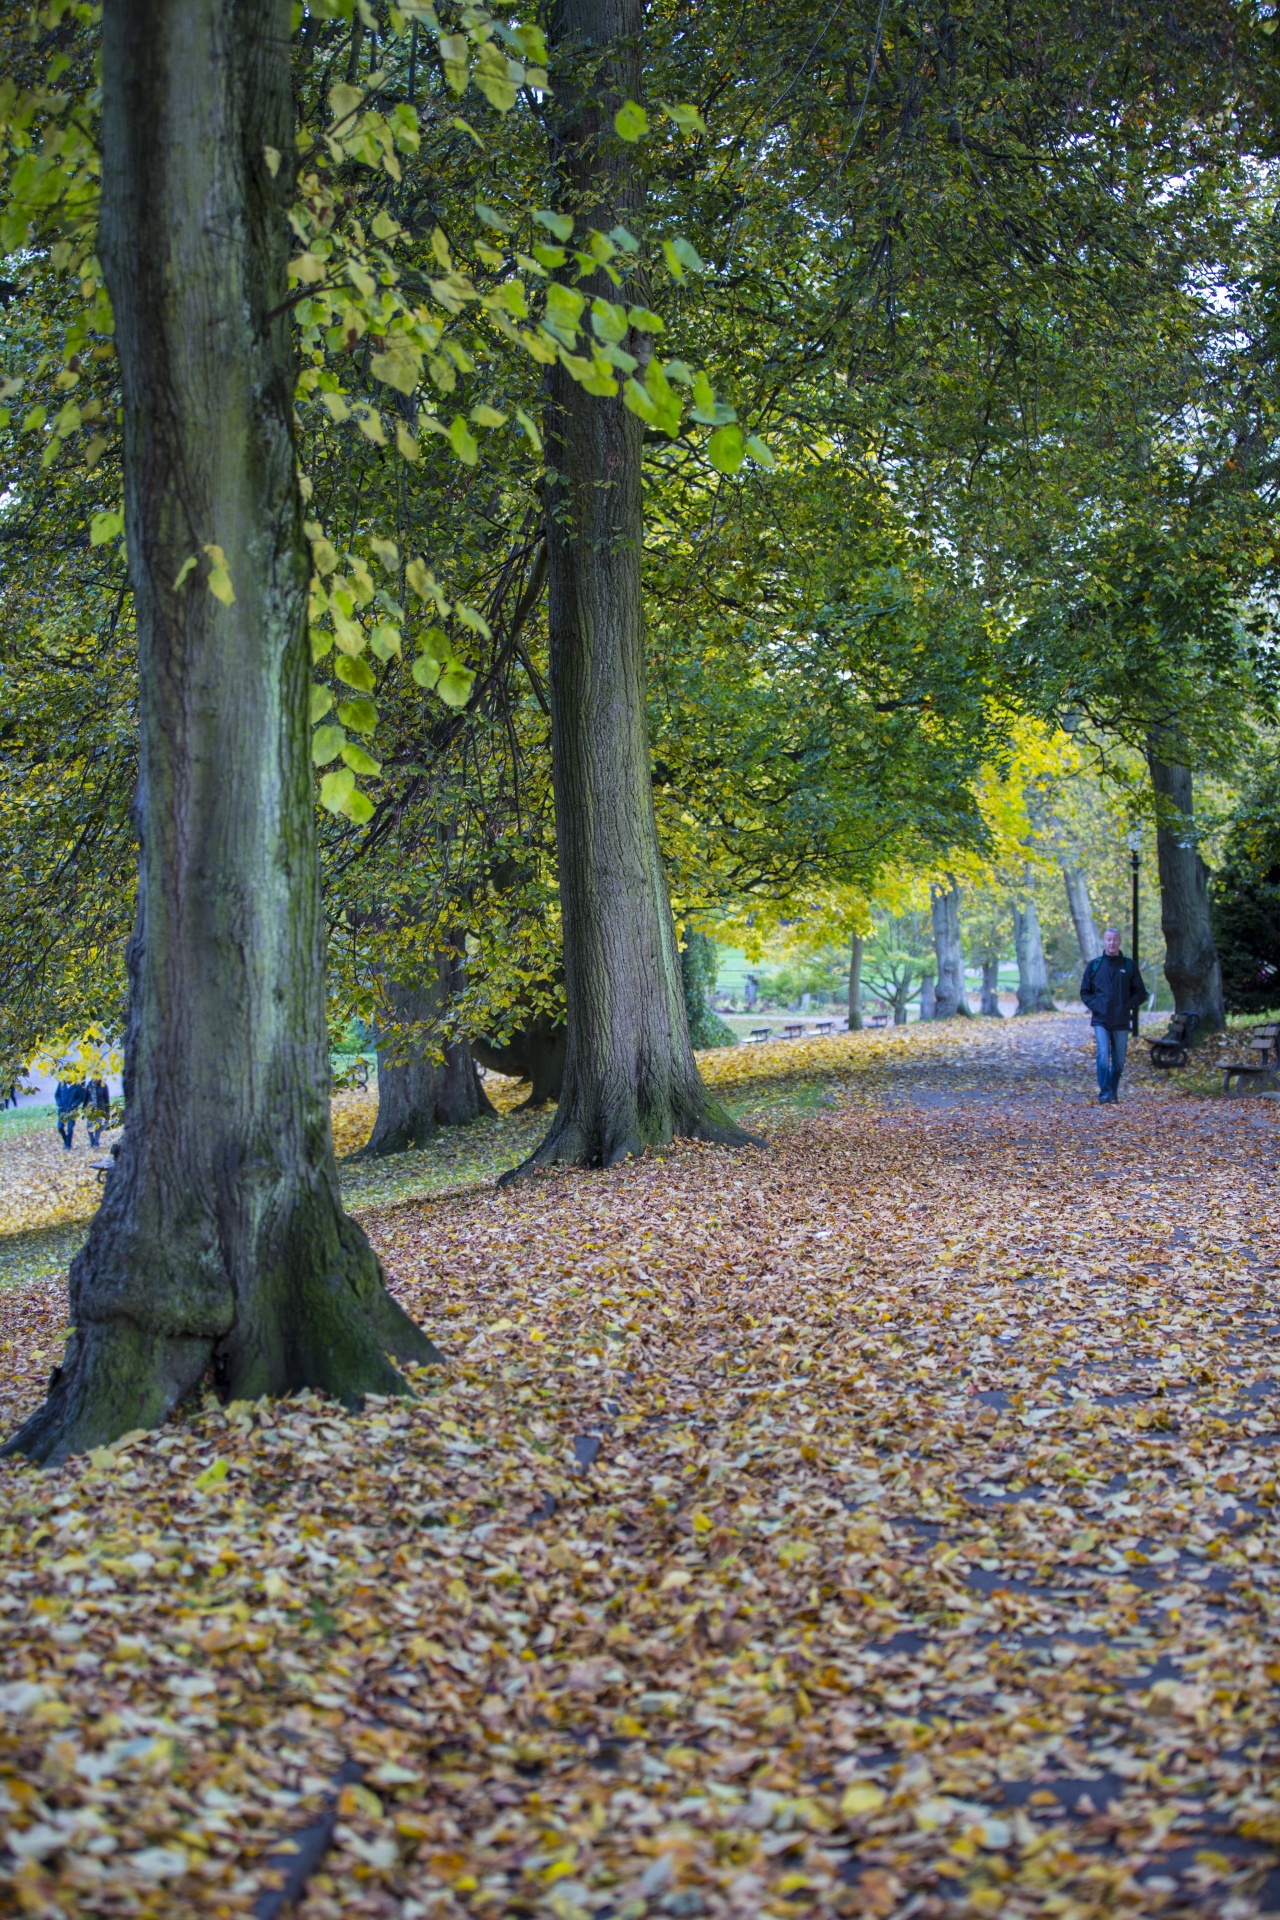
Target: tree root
x,y
571,1142
115,1377
319,1316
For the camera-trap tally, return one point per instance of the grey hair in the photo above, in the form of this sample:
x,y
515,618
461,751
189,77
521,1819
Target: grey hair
x,y
1107,930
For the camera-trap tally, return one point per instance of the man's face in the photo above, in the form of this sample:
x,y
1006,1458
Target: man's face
x,y
1111,942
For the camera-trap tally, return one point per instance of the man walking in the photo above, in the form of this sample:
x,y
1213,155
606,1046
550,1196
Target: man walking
x,y
1112,987
69,1096
98,1102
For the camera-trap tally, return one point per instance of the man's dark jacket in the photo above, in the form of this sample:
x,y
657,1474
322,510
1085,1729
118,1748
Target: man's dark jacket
x,y
1112,987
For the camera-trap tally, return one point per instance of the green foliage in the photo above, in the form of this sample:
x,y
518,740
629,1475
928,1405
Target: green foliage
x,y
897,958
698,974
821,971
994,286
1245,900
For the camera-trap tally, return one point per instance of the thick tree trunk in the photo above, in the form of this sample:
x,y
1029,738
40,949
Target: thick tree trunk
x,y
855,984
1033,975
535,1053
630,1079
951,999
928,998
991,989
461,1097
1191,959
901,995
221,1241
1076,883
417,1092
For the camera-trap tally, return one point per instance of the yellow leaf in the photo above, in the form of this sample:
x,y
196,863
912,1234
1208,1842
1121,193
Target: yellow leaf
x,y
862,1796
357,1799
678,1577
212,1476
344,99
219,582
399,367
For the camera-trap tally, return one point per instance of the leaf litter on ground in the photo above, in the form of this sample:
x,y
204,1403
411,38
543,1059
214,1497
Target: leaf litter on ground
x,y
880,1523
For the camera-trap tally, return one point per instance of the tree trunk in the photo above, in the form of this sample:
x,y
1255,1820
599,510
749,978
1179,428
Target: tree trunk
x,y
630,1079
1033,976
928,998
855,984
535,1053
1191,959
901,995
461,1097
944,903
221,1241
418,1093
991,989
1077,886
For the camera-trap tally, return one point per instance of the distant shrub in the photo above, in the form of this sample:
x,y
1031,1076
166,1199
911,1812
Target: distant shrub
x,y
1244,901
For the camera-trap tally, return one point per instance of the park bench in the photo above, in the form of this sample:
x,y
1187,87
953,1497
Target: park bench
x,y
761,1033
826,1026
1261,1071
879,1020
794,1031
1173,1048
102,1168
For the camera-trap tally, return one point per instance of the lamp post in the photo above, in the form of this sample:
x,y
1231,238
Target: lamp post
x,y
1135,853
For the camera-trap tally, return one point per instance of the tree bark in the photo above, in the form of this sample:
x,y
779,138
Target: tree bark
x,y
944,903
1191,959
419,1093
855,984
535,1053
1033,975
221,1242
1076,883
991,990
928,998
630,1080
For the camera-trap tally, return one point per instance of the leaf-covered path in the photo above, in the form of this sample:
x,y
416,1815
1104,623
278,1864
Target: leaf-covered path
x,y
885,1522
